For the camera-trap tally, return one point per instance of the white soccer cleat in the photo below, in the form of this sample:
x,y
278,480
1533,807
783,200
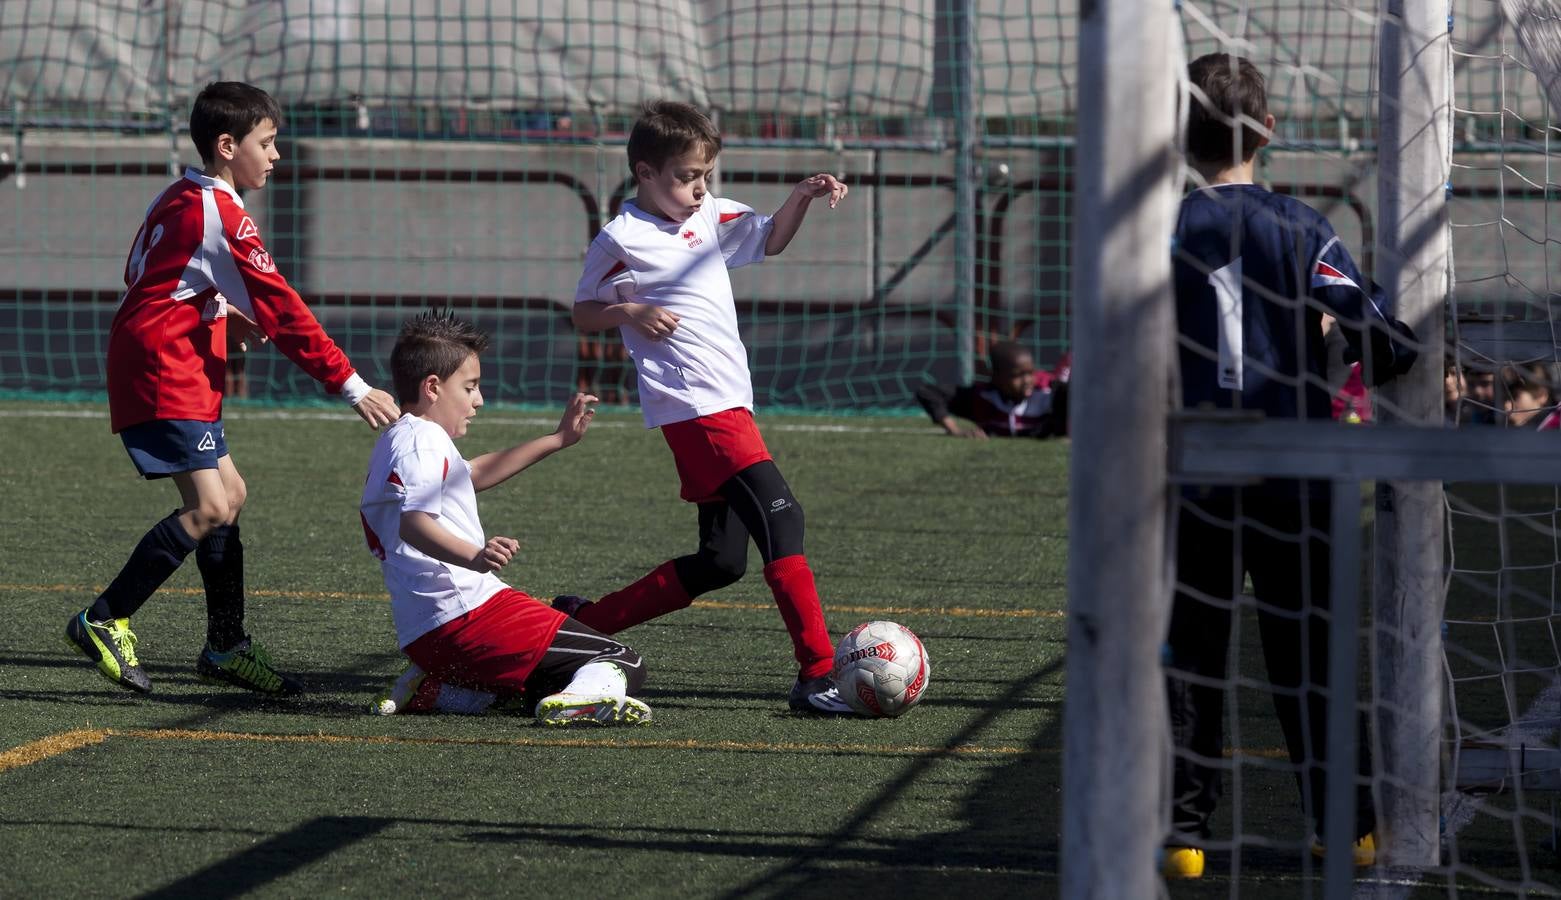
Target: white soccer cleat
x,y
398,697
567,710
820,697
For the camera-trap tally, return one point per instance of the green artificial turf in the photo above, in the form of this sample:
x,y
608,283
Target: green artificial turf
x,y
199,790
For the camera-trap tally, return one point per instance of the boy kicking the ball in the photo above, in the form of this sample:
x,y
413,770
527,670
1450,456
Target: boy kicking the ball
x,y
658,274
196,264
470,636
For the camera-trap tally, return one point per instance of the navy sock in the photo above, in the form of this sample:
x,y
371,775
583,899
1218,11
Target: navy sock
x,y
221,560
160,552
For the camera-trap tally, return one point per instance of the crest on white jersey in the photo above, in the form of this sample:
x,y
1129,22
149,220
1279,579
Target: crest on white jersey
x,y
246,230
261,260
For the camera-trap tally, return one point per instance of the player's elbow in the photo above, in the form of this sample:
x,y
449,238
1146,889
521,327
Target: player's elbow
x,y
585,316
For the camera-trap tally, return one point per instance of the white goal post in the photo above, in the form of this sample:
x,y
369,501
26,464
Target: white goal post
x,y
1116,745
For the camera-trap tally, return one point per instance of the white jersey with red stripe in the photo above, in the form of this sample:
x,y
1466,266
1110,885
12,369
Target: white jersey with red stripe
x,y
702,367
416,468
197,254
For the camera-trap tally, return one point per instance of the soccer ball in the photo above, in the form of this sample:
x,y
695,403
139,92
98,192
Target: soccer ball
x,y
881,669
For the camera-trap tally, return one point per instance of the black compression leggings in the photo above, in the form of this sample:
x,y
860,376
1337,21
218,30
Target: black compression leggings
x,y
757,503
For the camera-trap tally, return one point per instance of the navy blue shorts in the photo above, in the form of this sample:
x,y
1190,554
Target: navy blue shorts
x,y
169,446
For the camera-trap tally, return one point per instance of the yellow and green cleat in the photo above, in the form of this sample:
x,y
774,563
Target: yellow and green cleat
x,y
248,666
112,645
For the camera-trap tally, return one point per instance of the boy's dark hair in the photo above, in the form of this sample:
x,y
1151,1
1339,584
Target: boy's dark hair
x,y
433,343
666,129
1236,91
1003,356
1535,378
229,107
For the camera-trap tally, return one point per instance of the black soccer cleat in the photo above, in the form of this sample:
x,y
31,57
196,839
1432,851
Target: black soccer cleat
x,y
248,666
112,645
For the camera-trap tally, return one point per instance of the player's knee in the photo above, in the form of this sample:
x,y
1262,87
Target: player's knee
x,y
210,514
708,570
725,568
238,492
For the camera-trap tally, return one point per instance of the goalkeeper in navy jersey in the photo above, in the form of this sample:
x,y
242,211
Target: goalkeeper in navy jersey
x,y
1254,274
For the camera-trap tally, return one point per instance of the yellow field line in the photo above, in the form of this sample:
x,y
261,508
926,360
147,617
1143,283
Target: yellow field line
x,y
64,742
175,734
954,611
53,745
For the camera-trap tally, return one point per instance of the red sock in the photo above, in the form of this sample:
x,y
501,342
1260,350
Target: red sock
x,y
791,581
656,594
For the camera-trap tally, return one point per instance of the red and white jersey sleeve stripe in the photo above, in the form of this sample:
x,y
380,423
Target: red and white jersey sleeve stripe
x,y
606,278
742,231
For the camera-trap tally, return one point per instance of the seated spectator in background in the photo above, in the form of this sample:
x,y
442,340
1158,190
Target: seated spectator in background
x,y
1454,387
1480,398
1527,400
1018,401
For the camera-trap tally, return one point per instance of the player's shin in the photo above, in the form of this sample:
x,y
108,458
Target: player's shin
x,y
220,557
791,583
656,594
161,551
599,679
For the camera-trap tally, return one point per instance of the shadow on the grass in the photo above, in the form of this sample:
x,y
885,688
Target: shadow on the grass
x,y
1003,850
176,686
272,859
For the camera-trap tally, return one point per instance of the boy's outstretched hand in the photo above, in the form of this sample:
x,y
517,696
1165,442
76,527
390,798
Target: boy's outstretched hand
x,y
378,408
495,554
651,321
823,185
243,331
577,418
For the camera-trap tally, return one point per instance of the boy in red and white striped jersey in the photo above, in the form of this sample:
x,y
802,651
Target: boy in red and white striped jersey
x,y
197,263
658,273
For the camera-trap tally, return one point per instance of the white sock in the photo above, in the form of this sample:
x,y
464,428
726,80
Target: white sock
x,y
598,679
466,701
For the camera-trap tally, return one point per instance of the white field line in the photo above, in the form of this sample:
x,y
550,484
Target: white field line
x,y
240,414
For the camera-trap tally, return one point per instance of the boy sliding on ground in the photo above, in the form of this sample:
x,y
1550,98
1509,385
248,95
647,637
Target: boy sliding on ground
x,y
469,635
197,258
658,273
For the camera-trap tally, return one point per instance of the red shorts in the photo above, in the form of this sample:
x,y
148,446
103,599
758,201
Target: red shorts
x,y
711,449
494,647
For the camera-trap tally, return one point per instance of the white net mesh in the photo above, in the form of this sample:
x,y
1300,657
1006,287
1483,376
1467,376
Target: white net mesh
x,y
1502,655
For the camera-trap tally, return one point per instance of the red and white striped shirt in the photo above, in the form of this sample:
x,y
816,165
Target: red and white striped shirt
x,y
196,254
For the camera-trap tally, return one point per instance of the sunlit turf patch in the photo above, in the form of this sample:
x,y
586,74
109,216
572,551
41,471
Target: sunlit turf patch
x,y
53,745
